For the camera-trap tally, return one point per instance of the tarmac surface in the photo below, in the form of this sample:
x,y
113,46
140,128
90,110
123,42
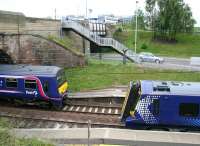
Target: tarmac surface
x,y
171,63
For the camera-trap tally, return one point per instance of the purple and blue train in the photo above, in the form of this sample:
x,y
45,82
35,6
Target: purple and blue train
x,y
33,84
163,104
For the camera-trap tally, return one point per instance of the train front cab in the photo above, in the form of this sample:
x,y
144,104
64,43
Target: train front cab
x,y
62,88
131,100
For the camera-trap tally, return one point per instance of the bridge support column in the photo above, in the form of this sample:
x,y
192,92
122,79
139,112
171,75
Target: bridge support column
x,y
124,56
96,49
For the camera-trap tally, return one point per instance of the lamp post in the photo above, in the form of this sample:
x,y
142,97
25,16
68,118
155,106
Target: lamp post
x,y
136,27
86,9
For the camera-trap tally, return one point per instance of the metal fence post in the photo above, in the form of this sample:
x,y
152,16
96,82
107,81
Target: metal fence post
x,y
124,56
89,126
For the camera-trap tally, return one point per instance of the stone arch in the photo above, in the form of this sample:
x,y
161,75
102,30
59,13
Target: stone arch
x,y
5,58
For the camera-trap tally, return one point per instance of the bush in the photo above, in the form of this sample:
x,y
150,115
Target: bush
x,y
144,46
119,29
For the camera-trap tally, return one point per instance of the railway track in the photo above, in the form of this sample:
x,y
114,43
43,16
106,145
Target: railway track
x,y
73,115
20,122
34,118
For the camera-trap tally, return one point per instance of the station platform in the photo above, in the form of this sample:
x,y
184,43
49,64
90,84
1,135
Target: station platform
x,y
119,91
111,137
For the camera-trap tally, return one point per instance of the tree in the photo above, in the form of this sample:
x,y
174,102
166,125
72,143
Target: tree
x,y
150,8
140,19
169,18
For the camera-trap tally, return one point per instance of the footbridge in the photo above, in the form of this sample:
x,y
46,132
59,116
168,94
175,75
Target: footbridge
x,y
100,41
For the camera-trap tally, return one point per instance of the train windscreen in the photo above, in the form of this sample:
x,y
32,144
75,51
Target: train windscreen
x,y
61,78
131,99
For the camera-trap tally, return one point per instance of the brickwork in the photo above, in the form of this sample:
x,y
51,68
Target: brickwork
x,y
12,22
28,49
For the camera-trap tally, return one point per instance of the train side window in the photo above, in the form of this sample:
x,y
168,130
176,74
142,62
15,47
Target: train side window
x,y
189,109
46,87
30,84
11,83
156,107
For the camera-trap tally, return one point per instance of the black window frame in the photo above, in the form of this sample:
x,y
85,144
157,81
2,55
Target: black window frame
x,y
46,87
32,83
185,110
6,85
156,107
61,77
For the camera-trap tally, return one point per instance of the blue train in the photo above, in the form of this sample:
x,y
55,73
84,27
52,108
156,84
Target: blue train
x,y
162,103
33,84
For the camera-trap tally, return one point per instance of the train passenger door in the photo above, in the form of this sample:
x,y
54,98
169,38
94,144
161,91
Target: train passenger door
x,y
31,89
46,87
167,110
1,83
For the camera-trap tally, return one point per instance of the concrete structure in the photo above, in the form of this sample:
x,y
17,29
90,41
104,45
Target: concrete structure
x,y
112,136
110,92
37,50
25,40
14,22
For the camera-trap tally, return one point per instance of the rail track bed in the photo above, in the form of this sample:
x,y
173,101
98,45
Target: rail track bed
x,y
72,115
63,118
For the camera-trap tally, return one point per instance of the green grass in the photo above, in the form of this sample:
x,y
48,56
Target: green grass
x,y
188,44
67,43
107,74
7,140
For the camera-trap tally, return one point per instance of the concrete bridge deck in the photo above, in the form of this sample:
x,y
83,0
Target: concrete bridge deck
x,y
112,136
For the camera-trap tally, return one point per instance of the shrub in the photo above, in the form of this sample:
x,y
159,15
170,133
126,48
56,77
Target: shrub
x,y
144,46
119,29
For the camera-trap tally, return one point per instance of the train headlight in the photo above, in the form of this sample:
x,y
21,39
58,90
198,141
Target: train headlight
x,y
132,113
63,88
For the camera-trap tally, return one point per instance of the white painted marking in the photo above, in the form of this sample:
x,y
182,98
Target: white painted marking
x,y
71,108
96,109
65,108
103,110
109,111
116,111
83,110
90,109
77,108
57,126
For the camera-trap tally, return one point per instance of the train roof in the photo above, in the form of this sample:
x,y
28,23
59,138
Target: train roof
x,y
21,70
170,88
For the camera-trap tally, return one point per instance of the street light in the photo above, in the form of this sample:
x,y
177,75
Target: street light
x,y
136,25
86,9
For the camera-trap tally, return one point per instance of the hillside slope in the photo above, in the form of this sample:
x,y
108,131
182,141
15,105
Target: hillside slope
x,y
188,44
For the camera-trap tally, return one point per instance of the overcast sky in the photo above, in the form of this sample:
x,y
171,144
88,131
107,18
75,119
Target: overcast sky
x,y
45,8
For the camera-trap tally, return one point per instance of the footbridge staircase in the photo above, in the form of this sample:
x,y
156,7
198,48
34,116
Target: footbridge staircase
x,y
100,41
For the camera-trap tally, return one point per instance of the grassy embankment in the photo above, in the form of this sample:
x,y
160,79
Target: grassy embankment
x,y
106,74
188,44
66,42
6,139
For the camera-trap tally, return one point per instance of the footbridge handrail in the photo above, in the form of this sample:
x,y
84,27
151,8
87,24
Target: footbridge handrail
x,y
100,41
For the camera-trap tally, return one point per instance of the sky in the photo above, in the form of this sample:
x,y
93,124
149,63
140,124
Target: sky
x,y
46,8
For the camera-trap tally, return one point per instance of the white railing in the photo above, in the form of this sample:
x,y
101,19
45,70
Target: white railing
x,y
100,41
